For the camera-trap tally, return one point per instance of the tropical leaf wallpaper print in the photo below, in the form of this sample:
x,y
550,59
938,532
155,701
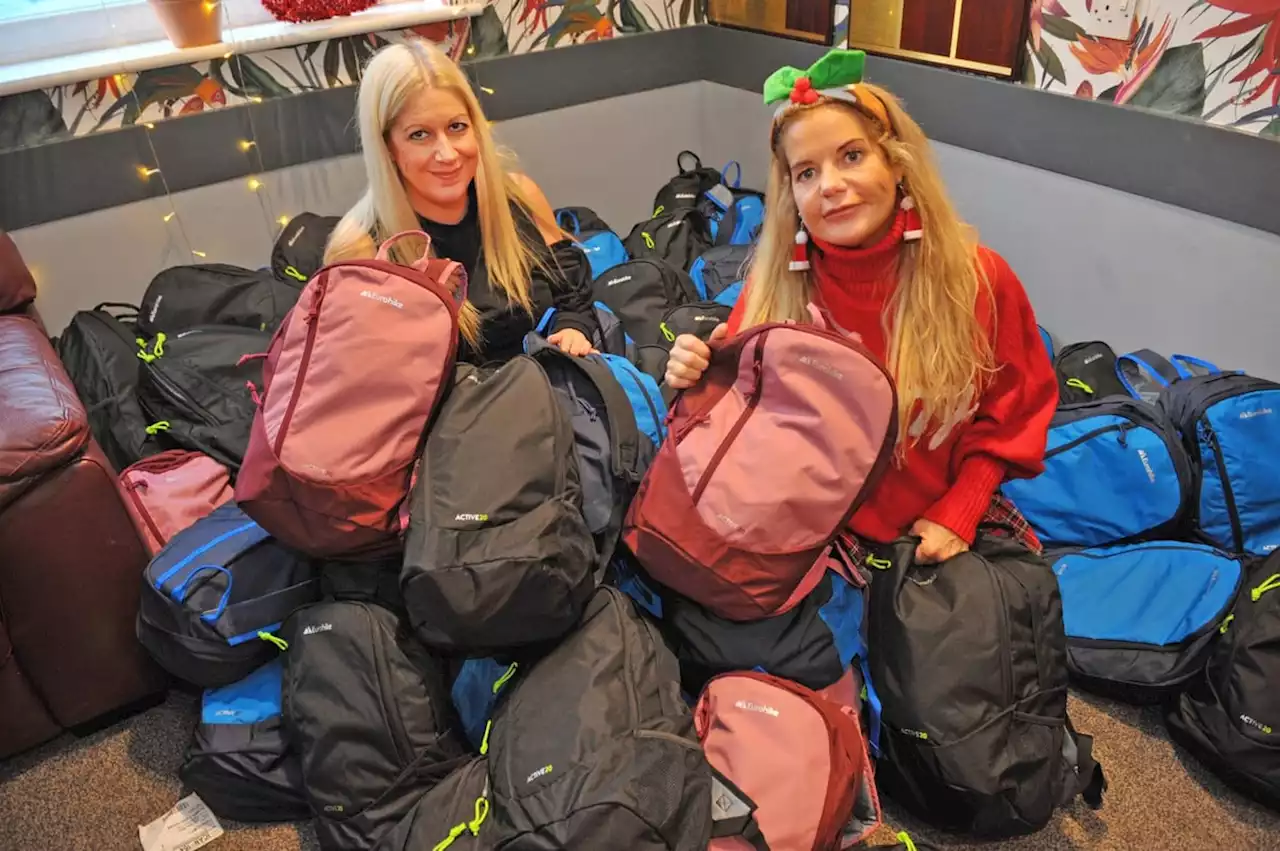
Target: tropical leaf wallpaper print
x,y
1216,60
507,26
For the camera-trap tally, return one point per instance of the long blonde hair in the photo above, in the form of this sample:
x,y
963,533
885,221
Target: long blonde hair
x,y
939,354
394,75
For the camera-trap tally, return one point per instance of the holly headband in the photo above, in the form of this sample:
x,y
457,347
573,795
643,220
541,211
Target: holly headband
x,y
838,75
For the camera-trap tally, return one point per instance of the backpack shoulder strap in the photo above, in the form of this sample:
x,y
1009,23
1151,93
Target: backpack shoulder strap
x,y
1189,366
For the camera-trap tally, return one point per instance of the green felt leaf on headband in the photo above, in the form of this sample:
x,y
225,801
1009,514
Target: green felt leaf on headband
x,y
837,69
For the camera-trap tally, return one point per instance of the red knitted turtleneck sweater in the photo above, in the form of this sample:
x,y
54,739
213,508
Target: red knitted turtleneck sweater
x,y
948,476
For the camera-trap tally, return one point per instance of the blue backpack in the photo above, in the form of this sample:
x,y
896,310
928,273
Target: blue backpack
x,y
719,269
239,761
1141,618
598,241
1230,424
736,214
1047,339
475,692
213,598
1114,471
643,394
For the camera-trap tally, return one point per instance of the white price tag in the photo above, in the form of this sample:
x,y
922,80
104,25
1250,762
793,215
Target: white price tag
x,y
186,827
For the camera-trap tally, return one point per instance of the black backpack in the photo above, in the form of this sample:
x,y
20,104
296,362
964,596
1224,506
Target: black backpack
x,y
685,190
1087,371
212,597
641,293
99,350
368,710
194,387
1229,717
183,297
612,454
593,746
299,250
452,815
238,761
719,269
498,554
678,237
969,662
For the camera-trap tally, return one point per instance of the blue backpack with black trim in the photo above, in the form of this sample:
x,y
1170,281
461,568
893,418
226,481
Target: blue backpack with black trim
x,y
213,598
1230,425
1114,471
1141,618
597,240
719,273
1145,373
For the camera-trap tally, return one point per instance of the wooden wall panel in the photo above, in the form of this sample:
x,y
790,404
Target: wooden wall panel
x,y
991,30
927,26
813,16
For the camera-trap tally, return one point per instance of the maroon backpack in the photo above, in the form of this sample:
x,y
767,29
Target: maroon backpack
x,y
767,459
352,378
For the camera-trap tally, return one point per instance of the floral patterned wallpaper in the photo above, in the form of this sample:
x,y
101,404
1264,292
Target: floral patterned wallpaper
x,y
507,26
1215,60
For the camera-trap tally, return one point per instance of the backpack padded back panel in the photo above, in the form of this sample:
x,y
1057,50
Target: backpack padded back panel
x,y
1229,717
1140,619
1115,471
975,736
594,748
369,711
238,761
498,554
750,488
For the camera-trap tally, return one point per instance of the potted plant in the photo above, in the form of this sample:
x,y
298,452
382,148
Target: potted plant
x,y
190,23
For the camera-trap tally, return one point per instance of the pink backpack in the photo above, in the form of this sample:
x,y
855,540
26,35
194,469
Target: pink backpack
x,y
766,460
352,378
167,492
755,729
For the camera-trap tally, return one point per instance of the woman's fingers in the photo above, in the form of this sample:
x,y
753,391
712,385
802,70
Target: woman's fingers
x,y
721,331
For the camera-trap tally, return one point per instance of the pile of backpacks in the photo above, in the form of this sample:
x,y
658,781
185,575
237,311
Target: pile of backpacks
x,y
1160,507
433,605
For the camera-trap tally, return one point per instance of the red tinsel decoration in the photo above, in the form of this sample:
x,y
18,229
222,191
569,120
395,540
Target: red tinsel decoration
x,y
298,11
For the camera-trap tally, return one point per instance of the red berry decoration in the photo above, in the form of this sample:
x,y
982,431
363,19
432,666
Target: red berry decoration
x,y
803,84
809,97
298,11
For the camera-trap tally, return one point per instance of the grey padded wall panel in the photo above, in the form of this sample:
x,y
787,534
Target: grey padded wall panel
x,y
1097,263
611,155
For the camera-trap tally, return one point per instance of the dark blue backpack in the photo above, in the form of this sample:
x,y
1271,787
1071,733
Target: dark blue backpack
x,y
598,241
213,597
1141,618
475,692
1114,471
1230,424
1144,373
734,214
239,761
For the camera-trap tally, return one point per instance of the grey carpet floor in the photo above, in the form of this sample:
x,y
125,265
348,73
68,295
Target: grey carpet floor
x,y
91,794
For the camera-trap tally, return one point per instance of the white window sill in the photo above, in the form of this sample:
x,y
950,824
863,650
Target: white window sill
x,y
93,65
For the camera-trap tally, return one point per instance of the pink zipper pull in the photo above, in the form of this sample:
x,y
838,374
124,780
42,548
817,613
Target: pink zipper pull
x,y
253,392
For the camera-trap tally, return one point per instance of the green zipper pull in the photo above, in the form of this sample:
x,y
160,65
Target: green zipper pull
x,y
1079,385
1271,583
657,211
482,812
279,642
879,563
295,274
1226,622
508,674
458,830
162,425
667,332
158,349
648,240
484,742
905,839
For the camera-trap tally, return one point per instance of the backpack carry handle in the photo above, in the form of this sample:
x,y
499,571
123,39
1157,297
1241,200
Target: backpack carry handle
x,y
179,593
384,250
125,309
423,263
737,175
680,159
1189,366
573,218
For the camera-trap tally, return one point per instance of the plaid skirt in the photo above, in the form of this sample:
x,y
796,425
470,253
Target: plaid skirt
x,y
1002,520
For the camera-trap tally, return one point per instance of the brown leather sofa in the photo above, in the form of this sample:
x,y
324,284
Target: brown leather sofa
x,y
70,558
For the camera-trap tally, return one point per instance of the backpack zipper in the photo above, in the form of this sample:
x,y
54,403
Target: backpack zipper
x,y
312,320
1006,651
1210,437
633,702
757,368
1090,435
131,487
175,392
399,738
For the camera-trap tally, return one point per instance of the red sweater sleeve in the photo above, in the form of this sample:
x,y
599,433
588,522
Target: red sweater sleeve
x,y
739,308
1007,436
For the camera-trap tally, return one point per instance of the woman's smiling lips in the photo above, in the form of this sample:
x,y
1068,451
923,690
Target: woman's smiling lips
x,y
840,213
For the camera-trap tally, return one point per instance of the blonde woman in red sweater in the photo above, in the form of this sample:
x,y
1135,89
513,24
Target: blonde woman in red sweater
x,y
858,223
